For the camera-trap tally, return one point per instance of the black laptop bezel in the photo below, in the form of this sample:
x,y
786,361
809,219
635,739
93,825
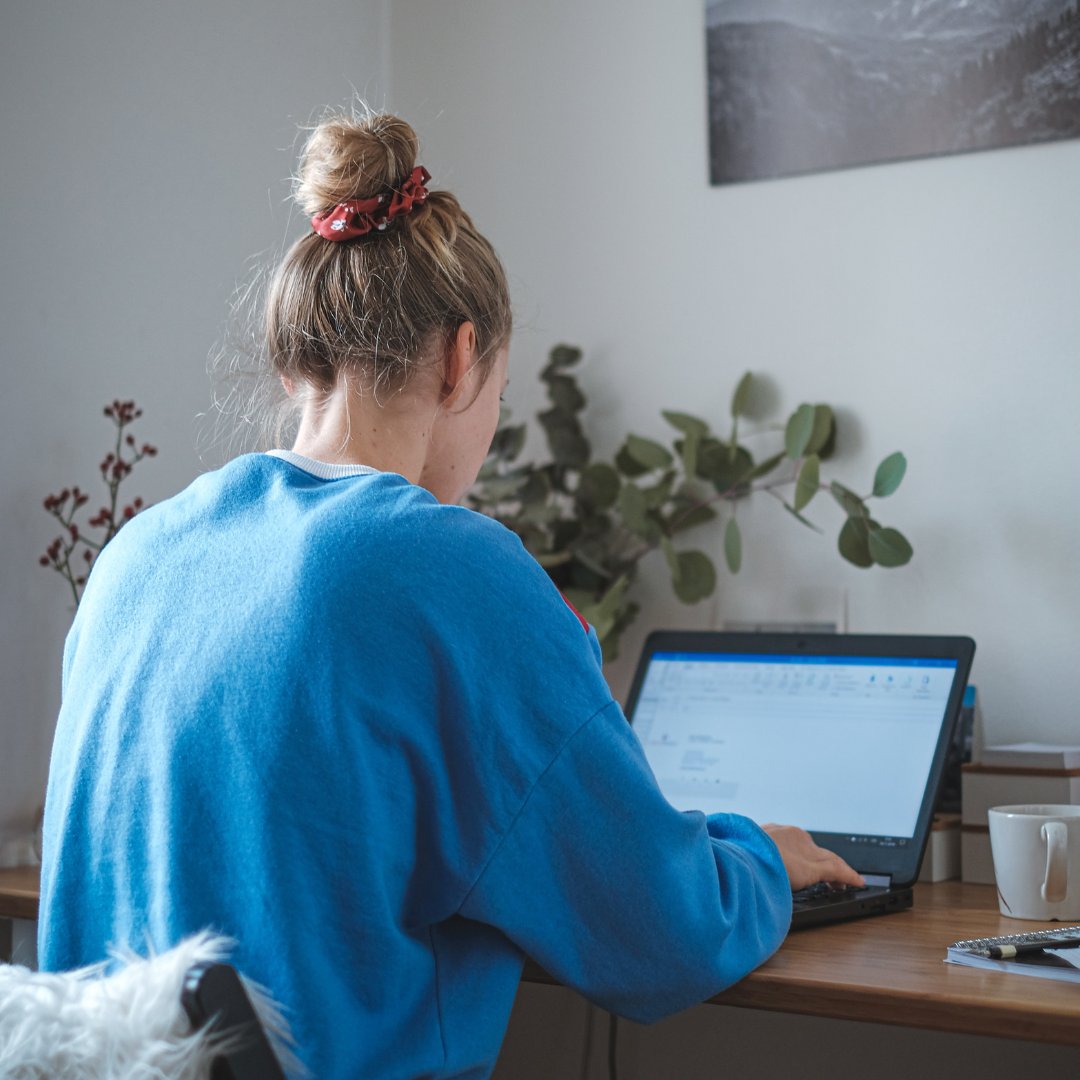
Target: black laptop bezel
x,y
899,864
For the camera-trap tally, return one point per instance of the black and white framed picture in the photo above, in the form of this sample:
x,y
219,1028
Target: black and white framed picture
x,y
797,87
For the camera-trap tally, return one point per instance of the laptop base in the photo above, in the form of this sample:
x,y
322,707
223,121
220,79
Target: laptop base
x,y
861,905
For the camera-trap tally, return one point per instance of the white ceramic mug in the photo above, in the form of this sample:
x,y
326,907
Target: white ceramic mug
x,y
1036,853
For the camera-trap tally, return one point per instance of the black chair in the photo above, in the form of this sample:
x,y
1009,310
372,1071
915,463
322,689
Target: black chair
x,y
213,996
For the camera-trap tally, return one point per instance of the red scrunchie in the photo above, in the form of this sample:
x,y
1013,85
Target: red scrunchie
x,y
358,217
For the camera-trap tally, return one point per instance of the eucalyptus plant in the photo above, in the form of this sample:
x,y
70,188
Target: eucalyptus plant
x,y
590,523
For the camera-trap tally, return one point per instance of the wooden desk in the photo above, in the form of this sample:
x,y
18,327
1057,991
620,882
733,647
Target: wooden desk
x,y
19,893
887,969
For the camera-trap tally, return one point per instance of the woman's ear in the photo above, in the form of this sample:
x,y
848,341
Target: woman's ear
x,y
288,385
461,357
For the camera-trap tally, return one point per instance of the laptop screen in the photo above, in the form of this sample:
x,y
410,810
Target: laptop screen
x,y
836,744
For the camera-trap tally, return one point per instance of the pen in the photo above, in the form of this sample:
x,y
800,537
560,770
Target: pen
x,y
1007,952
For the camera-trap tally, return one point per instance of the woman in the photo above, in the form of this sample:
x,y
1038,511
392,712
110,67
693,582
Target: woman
x,y
314,704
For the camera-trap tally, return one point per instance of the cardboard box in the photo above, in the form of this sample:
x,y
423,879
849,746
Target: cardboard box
x,y
984,786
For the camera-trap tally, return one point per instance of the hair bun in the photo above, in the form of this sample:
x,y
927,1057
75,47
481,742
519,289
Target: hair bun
x,y
348,158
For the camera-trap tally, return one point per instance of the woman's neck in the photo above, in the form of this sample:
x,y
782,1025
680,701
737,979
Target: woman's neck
x,y
350,427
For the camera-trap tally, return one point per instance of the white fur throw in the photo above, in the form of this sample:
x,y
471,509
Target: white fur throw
x,y
130,1025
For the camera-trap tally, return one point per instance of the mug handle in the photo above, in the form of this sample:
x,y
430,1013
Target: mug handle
x,y
1055,884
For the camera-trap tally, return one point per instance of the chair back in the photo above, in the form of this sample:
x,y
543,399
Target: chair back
x,y
182,1014
214,999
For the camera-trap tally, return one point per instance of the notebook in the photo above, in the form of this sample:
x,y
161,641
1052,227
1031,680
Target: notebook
x,y
844,735
1048,954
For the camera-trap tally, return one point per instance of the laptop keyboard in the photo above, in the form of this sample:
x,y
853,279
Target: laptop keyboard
x,y
823,892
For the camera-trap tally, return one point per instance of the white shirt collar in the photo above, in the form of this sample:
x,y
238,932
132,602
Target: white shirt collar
x,y
324,470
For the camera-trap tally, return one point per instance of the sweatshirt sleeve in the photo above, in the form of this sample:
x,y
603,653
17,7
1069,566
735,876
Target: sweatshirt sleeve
x,y
642,908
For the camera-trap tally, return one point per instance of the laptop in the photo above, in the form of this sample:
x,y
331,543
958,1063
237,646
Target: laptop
x,y
844,735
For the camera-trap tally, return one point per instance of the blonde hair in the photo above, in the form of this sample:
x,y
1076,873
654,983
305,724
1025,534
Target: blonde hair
x,y
377,306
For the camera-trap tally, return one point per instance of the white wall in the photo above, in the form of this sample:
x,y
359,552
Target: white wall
x,y
146,149
933,301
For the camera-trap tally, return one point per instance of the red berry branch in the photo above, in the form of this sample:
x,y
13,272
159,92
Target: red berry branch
x,y
73,552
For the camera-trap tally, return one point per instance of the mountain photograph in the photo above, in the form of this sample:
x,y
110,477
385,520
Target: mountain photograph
x,y
797,88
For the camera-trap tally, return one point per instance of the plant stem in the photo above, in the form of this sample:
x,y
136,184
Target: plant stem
x,y
810,524
731,495
66,571
114,483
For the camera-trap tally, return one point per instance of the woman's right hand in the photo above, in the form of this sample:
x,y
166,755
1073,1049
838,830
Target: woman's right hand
x,y
807,863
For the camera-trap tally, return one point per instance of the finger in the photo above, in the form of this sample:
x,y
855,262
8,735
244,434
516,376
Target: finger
x,y
839,871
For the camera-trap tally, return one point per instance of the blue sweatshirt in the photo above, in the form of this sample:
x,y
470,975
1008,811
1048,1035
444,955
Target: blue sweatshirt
x,y
360,732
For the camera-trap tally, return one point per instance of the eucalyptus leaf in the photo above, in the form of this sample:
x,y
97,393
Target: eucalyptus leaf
x,y
650,454
509,441
688,425
799,430
854,542
561,356
634,509
806,487
628,465
689,452
659,493
578,597
853,506
889,547
568,445
565,394
604,612
602,624
823,430
829,449
609,643
741,398
715,464
765,467
551,559
889,474
537,488
540,512
668,548
599,486
696,578
501,488
733,546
